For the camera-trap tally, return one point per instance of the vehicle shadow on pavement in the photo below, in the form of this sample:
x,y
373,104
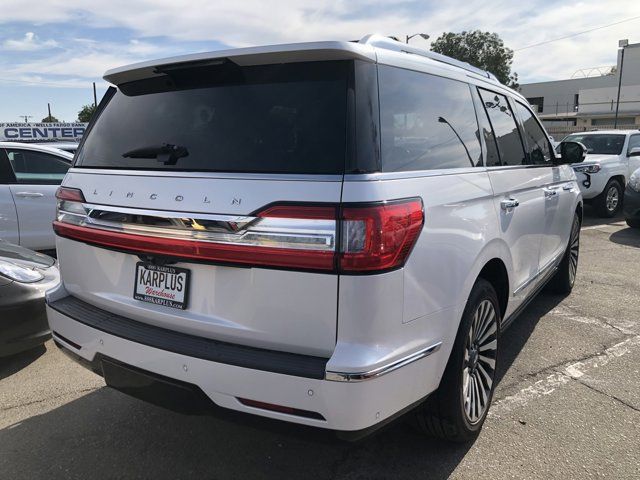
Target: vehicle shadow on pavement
x,y
106,434
591,218
517,335
627,236
15,363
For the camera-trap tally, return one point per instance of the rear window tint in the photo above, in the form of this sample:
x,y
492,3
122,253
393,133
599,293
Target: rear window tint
x,y
289,118
427,122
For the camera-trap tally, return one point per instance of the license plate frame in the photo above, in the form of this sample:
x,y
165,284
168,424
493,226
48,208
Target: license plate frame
x,y
156,299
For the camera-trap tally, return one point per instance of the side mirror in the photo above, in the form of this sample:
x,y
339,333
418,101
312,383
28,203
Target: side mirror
x,y
634,152
571,152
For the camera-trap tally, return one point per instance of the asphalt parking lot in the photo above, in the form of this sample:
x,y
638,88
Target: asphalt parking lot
x,y
567,406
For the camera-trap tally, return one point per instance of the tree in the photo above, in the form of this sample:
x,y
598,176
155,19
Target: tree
x,y
484,50
86,112
50,119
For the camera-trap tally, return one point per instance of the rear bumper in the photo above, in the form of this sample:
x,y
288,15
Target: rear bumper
x,y
361,403
631,204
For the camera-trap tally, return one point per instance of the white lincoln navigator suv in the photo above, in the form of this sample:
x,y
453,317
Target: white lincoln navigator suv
x,y
329,233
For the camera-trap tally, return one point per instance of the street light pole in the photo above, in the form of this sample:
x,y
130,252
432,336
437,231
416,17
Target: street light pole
x,y
409,37
622,44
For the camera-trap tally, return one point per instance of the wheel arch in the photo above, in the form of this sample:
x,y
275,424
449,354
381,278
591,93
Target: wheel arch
x,y
580,211
620,178
495,272
494,264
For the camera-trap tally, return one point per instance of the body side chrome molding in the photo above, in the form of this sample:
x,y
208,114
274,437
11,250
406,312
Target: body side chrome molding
x,y
378,372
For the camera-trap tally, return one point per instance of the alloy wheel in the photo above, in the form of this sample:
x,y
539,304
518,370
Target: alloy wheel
x,y
479,366
613,198
574,251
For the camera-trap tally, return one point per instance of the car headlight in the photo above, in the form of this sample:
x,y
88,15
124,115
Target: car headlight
x,y
634,181
593,168
19,273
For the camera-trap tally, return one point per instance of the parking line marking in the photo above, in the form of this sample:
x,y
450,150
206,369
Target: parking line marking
x,y
555,380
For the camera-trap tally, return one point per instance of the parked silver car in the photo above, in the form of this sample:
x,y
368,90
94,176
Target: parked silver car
x,y
29,177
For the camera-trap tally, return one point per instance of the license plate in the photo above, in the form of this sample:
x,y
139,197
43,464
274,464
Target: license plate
x,y
162,285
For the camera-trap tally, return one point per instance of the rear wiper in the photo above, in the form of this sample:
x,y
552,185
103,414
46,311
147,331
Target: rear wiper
x,y
166,153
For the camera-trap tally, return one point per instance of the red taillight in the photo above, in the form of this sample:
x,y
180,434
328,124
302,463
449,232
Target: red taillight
x,y
69,194
373,237
303,212
379,237
263,256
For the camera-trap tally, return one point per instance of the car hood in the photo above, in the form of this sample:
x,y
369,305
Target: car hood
x,y
597,158
23,256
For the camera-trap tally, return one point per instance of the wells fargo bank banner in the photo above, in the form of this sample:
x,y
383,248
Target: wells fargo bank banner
x,y
41,131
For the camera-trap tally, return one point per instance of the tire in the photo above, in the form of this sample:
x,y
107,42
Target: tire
x,y
609,202
458,408
563,280
633,223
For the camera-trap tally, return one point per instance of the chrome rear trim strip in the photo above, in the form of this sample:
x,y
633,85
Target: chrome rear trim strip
x,y
304,234
378,372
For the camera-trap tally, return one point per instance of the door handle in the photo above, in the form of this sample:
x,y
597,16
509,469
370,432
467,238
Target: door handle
x,y
568,186
550,192
29,194
509,203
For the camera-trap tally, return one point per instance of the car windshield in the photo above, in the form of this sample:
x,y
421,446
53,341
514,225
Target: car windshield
x,y
602,144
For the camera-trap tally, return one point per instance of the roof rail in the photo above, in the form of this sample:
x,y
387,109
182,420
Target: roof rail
x,y
387,43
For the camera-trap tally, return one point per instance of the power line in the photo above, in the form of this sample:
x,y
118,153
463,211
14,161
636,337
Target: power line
x,y
578,33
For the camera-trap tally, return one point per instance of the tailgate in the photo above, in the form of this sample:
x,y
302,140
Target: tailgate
x,y
278,308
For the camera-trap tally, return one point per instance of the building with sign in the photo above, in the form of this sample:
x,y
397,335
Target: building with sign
x,y
589,102
42,132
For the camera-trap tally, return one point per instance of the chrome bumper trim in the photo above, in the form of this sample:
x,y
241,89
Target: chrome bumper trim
x,y
378,372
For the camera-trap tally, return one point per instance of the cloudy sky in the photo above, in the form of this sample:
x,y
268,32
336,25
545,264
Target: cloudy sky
x,y
52,50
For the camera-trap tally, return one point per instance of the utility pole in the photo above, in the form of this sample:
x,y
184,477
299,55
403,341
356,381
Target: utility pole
x,y
49,108
95,98
622,44
26,118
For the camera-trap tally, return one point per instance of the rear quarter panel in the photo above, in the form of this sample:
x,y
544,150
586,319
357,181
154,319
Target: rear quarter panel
x,y
385,317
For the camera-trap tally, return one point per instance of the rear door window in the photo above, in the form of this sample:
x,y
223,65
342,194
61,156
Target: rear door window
x,y
38,168
536,140
505,128
289,118
427,122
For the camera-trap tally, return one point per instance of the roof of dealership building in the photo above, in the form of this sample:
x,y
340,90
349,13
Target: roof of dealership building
x,y
592,97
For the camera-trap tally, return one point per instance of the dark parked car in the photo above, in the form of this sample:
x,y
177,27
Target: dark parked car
x,y
632,200
24,278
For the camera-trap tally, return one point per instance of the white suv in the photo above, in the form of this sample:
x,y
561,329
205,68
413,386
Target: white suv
x,y
612,156
324,233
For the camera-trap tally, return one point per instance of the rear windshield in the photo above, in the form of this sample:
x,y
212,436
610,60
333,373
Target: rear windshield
x,y
288,118
601,144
